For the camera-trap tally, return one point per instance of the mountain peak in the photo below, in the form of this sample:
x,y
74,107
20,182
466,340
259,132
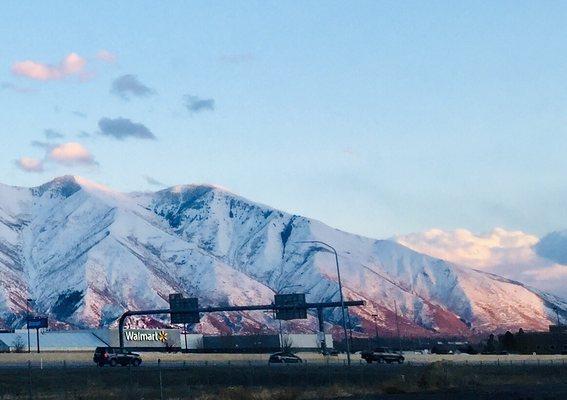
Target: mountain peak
x,y
198,187
65,186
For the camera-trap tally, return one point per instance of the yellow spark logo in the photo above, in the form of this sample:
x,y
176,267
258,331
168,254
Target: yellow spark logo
x,y
162,336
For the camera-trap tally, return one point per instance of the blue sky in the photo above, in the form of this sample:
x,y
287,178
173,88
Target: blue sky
x,y
379,118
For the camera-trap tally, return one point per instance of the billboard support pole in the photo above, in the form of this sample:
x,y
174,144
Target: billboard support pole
x,y
186,348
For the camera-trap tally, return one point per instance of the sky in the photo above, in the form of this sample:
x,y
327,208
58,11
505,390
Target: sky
x,y
379,118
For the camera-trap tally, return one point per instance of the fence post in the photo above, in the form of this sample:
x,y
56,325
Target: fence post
x,y
64,380
160,379
30,396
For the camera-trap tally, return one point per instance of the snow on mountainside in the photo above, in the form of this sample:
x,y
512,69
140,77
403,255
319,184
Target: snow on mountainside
x,y
86,253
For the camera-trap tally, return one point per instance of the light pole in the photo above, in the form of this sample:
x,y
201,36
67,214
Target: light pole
x,y
28,301
343,309
398,328
375,316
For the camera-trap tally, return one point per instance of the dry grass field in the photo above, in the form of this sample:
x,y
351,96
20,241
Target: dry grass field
x,y
224,381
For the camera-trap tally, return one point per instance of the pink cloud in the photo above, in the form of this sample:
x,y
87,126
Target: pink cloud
x,y
71,153
106,56
507,253
72,64
29,164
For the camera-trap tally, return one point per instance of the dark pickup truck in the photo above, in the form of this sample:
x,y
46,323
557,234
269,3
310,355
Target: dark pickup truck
x,y
381,355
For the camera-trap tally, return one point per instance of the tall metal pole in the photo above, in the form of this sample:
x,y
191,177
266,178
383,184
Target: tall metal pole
x,y
186,348
398,327
343,309
375,326
28,301
37,338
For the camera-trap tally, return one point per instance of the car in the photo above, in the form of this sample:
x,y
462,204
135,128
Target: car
x,y
114,356
330,352
380,355
283,357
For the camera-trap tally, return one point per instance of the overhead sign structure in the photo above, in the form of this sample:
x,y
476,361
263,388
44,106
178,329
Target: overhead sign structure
x,y
290,306
184,310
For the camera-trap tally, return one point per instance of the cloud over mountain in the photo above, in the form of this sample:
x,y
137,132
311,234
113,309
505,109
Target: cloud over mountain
x,y
29,164
153,181
71,153
512,254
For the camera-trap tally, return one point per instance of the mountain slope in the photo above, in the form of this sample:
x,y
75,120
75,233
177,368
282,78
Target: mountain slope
x,y
87,253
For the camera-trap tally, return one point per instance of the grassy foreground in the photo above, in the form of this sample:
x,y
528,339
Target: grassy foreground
x,y
275,382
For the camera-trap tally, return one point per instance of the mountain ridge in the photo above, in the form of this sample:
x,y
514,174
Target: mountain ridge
x,y
87,252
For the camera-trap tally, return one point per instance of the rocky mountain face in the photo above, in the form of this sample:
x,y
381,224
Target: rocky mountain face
x,y
86,253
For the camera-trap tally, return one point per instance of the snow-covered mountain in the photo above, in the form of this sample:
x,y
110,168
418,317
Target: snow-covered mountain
x,y
86,253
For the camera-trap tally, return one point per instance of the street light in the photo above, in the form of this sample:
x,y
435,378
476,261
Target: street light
x,y
375,316
340,292
28,301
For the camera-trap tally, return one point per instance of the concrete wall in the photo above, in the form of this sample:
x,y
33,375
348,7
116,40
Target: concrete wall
x,y
307,341
88,340
54,340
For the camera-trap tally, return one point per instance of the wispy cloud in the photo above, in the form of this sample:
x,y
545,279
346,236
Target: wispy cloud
x,y
152,181
42,145
127,86
29,164
237,58
106,56
53,134
122,128
71,65
79,114
196,104
16,88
